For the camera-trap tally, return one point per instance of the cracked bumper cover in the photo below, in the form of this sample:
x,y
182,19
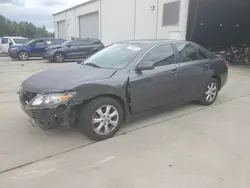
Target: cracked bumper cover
x,y
50,117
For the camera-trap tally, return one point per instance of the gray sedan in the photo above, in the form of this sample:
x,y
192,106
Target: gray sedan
x,y
120,81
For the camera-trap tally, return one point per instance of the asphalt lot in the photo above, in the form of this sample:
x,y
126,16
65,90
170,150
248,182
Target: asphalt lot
x,y
189,146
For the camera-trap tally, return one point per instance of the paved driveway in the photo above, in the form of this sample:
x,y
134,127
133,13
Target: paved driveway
x,y
189,146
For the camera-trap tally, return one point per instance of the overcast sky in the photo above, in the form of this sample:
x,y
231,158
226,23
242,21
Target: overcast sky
x,y
38,12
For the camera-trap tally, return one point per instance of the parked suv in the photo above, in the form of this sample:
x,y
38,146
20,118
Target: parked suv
x,y
33,48
73,49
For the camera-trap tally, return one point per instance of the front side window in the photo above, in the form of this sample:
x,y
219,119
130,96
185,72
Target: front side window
x,y
39,43
116,56
187,52
75,42
160,55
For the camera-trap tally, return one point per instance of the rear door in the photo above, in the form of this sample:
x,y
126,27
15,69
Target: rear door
x,y
154,88
194,70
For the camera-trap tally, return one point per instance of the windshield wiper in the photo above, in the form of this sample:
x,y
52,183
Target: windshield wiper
x,y
93,65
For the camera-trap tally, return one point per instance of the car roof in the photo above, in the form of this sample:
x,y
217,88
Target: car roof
x,y
151,41
14,37
47,38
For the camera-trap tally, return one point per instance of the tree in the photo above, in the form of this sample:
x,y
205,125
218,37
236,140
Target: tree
x,y
24,29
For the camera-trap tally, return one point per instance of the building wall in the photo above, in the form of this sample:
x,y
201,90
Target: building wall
x,y
127,19
117,20
146,19
86,9
176,31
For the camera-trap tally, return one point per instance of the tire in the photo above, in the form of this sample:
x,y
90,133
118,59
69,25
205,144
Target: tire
x,y
23,56
59,57
211,89
95,120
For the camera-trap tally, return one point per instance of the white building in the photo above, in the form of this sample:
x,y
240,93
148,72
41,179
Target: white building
x,y
208,22
117,20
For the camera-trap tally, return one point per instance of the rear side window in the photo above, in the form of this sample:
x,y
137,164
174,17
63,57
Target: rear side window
x,y
187,52
49,42
81,42
202,55
160,55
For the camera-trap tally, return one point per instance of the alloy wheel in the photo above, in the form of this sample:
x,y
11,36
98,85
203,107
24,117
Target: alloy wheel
x,y
59,58
105,120
211,92
23,56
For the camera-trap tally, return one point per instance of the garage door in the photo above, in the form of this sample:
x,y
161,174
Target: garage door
x,y
89,25
61,29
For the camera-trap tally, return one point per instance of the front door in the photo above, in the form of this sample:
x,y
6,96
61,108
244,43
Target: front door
x,y
38,47
155,88
193,72
73,49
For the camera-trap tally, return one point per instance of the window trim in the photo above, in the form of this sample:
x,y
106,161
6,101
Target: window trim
x,y
193,45
134,67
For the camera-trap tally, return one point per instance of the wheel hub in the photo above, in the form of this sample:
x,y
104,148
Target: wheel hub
x,y
105,119
211,92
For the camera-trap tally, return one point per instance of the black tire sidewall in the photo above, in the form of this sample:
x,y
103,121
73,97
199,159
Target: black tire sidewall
x,y
88,112
203,100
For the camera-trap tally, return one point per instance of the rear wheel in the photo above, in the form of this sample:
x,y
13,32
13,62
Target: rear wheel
x,y
59,57
23,56
101,118
210,93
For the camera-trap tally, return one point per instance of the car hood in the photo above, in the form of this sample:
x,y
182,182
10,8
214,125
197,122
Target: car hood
x,y
65,78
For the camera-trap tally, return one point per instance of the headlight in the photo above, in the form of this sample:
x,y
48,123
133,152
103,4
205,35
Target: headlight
x,y
13,49
51,99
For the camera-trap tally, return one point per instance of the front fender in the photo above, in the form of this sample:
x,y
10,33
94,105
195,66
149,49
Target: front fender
x,y
92,91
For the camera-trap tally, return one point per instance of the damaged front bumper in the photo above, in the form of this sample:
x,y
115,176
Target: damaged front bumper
x,y
49,117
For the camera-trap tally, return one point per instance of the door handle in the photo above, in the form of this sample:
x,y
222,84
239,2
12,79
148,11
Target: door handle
x,y
208,65
174,71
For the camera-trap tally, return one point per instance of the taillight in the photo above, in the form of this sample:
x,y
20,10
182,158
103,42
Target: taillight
x,y
226,63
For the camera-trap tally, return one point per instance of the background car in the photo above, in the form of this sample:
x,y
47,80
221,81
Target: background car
x,y
123,80
33,48
7,42
73,49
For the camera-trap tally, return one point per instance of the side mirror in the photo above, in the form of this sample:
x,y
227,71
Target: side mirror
x,y
10,44
69,45
146,65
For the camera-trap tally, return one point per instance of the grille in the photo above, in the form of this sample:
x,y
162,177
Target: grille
x,y
28,96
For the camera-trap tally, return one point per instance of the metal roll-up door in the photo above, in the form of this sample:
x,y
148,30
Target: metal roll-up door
x,y
61,29
89,25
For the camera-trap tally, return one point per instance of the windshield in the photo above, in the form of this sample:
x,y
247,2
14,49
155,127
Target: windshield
x,y
116,56
20,41
29,42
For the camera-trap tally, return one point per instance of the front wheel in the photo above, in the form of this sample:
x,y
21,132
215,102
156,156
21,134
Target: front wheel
x,y
101,118
210,93
23,56
59,57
